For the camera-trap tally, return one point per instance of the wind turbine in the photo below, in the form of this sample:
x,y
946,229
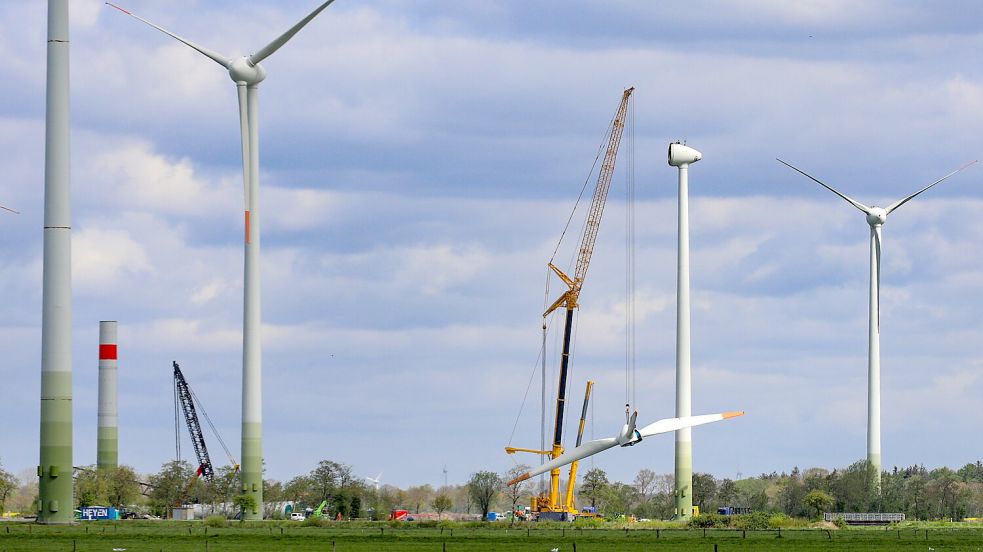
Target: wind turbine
x,y
247,73
9,209
376,481
628,436
682,156
876,217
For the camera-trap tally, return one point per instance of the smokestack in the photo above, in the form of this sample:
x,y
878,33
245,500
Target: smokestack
x,y
107,447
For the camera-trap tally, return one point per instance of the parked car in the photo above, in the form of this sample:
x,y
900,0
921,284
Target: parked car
x,y
297,516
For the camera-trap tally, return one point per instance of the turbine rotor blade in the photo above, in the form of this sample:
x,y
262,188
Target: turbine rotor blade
x,y
876,234
672,424
849,200
217,57
901,202
269,49
589,448
9,209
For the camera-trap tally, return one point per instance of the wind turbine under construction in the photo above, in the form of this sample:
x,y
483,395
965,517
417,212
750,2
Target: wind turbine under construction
x,y
247,73
876,217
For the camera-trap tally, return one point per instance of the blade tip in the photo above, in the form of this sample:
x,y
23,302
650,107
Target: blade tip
x,y
519,479
735,414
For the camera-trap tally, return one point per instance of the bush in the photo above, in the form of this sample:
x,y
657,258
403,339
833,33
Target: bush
x,y
707,521
427,523
312,521
755,521
216,521
587,522
839,522
781,521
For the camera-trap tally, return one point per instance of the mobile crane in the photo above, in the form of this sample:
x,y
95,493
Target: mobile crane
x,y
550,506
185,400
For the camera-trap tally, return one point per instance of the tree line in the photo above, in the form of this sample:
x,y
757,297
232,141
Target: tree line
x,y
919,493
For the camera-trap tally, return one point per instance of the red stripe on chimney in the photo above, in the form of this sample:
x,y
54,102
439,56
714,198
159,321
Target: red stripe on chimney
x,y
107,352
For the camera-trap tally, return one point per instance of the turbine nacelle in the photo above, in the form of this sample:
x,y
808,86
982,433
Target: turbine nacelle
x,y
681,155
242,71
629,435
876,216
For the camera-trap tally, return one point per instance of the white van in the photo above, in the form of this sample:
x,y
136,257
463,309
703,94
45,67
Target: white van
x,y
297,516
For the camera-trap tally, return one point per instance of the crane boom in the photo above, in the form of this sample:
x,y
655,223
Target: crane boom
x,y
589,237
205,468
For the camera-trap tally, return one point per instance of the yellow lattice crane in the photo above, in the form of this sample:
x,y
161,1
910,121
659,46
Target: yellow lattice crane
x,y
551,505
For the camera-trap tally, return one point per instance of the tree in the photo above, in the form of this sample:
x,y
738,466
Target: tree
x,y
594,486
8,484
645,482
704,489
514,492
121,486
482,488
168,486
418,496
726,492
90,487
242,503
441,503
818,500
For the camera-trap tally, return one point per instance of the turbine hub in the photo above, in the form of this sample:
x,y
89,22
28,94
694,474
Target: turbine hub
x,y
876,216
241,71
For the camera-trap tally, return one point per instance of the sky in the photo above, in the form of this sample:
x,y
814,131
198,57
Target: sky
x,y
418,163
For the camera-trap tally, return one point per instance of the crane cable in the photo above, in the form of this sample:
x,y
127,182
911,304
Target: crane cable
x,y
630,297
214,430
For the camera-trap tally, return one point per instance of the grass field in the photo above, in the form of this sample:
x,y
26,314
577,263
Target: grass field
x,y
267,537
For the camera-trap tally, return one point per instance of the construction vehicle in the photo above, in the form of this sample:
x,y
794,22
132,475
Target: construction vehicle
x,y
319,511
185,401
550,506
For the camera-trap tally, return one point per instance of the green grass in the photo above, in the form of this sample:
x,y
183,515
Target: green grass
x,y
138,536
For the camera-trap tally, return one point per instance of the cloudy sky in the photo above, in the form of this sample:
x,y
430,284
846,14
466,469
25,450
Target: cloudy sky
x,y
419,161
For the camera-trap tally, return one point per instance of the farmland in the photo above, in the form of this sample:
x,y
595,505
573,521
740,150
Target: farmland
x,y
450,537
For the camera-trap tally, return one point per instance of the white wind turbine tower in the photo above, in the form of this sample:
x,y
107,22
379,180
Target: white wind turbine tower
x,y
876,217
247,73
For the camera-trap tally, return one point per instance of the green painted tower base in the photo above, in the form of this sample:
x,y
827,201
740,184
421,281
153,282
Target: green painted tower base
x,y
684,480
55,472
251,474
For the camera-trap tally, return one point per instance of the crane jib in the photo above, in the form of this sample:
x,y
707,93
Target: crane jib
x,y
205,468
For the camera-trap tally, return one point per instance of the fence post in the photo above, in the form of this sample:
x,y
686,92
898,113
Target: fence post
x,y
658,533
704,532
743,533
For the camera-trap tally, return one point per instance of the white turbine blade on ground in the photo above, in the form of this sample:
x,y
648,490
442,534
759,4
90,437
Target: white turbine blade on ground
x,y
849,200
218,58
591,448
901,202
267,51
9,209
